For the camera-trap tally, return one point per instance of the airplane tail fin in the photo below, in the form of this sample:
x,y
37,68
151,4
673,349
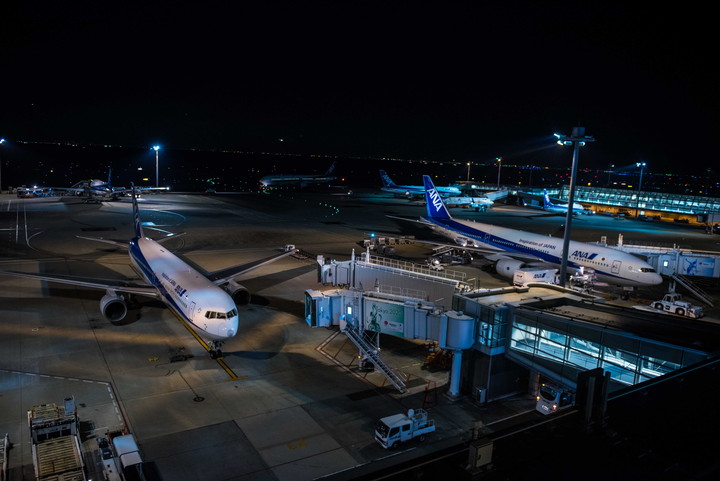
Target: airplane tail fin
x,y
386,180
136,213
546,199
435,206
109,182
331,169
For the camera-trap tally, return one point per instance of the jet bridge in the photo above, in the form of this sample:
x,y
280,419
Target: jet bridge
x,y
501,337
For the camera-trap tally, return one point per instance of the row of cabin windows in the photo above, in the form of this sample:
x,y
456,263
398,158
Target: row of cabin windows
x,y
220,315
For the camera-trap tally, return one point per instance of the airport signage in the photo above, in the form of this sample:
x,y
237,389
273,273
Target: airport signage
x,y
384,317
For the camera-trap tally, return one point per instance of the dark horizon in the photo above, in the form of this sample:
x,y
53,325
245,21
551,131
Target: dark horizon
x,y
460,81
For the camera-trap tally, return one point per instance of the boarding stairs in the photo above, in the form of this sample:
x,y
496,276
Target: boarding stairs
x,y
694,289
370,351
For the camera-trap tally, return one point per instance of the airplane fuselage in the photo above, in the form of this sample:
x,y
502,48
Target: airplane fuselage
x,y
205,307
610,265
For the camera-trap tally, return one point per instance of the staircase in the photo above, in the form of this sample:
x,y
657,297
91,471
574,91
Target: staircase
x,y
694,289
371,352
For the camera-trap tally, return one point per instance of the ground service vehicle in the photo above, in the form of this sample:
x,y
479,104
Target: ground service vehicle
x,y
523,276
398,428
551,399
672,302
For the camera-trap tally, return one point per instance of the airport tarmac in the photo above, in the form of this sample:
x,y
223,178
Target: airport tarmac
x,y
294,405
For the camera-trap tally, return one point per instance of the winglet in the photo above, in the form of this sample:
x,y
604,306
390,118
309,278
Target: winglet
x,y
435,206
136,213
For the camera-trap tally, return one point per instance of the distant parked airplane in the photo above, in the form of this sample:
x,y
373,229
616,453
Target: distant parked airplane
x,y
98,190
560,208
301,180
413,190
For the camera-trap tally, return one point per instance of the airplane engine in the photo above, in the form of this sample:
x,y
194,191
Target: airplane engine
x,y
239,293
113,307
507,267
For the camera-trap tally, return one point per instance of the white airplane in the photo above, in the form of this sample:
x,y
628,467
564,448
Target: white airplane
x,y
413,190
207,303
560,208
302,180
97,190
477,203
514,249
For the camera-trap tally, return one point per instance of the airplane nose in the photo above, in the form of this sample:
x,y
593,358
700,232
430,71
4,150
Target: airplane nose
x,y
232,327
656,279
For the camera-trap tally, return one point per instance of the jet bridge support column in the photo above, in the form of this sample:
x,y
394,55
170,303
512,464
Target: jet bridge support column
x,y
455,372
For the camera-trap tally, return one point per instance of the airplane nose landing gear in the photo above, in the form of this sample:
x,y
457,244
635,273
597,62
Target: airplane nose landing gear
x,y
215,351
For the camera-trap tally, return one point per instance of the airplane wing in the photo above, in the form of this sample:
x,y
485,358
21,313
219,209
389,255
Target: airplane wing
x,y
131,287
225,275
487,252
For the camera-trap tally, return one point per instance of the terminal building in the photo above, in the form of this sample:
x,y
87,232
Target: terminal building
x,y
503,341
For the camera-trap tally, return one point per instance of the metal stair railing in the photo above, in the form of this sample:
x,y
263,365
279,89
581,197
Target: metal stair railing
x,y
694,289
372,353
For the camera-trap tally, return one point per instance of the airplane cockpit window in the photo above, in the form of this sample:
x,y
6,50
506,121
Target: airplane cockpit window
x,y
210,314
232,314
221,315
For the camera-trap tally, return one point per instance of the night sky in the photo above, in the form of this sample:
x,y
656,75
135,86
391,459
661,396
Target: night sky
x,y
446,80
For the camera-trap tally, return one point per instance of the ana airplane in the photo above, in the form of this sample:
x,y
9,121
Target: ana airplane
x,y
413,190
560,208
302,180
515,249
477,203
205,302
98,190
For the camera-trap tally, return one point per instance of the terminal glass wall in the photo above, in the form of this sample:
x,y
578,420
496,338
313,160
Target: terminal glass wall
x,y
568,348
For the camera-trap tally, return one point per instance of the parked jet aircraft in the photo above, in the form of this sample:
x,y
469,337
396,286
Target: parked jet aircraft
x,y
206,302
97,190
413,190
477,203
514,249
302,180
560,208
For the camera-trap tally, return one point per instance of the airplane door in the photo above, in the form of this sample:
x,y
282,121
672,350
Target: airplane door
x,y
616,267
191,310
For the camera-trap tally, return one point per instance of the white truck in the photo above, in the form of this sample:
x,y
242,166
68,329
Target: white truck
x,y
524,276
672,302
398,428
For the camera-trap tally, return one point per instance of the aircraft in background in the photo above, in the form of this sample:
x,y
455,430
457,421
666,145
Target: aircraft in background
x,y
302,180
477,203
205,302
98,190
413,190
560,208
514,249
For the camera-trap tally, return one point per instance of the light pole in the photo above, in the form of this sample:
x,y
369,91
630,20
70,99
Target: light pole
x,y
612,166
468,176
157,181
499,161
576,139
2,141
637,203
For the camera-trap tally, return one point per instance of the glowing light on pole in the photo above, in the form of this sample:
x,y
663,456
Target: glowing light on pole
x,y
576,139
499,161
468,176
157,180
2,141
637,203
